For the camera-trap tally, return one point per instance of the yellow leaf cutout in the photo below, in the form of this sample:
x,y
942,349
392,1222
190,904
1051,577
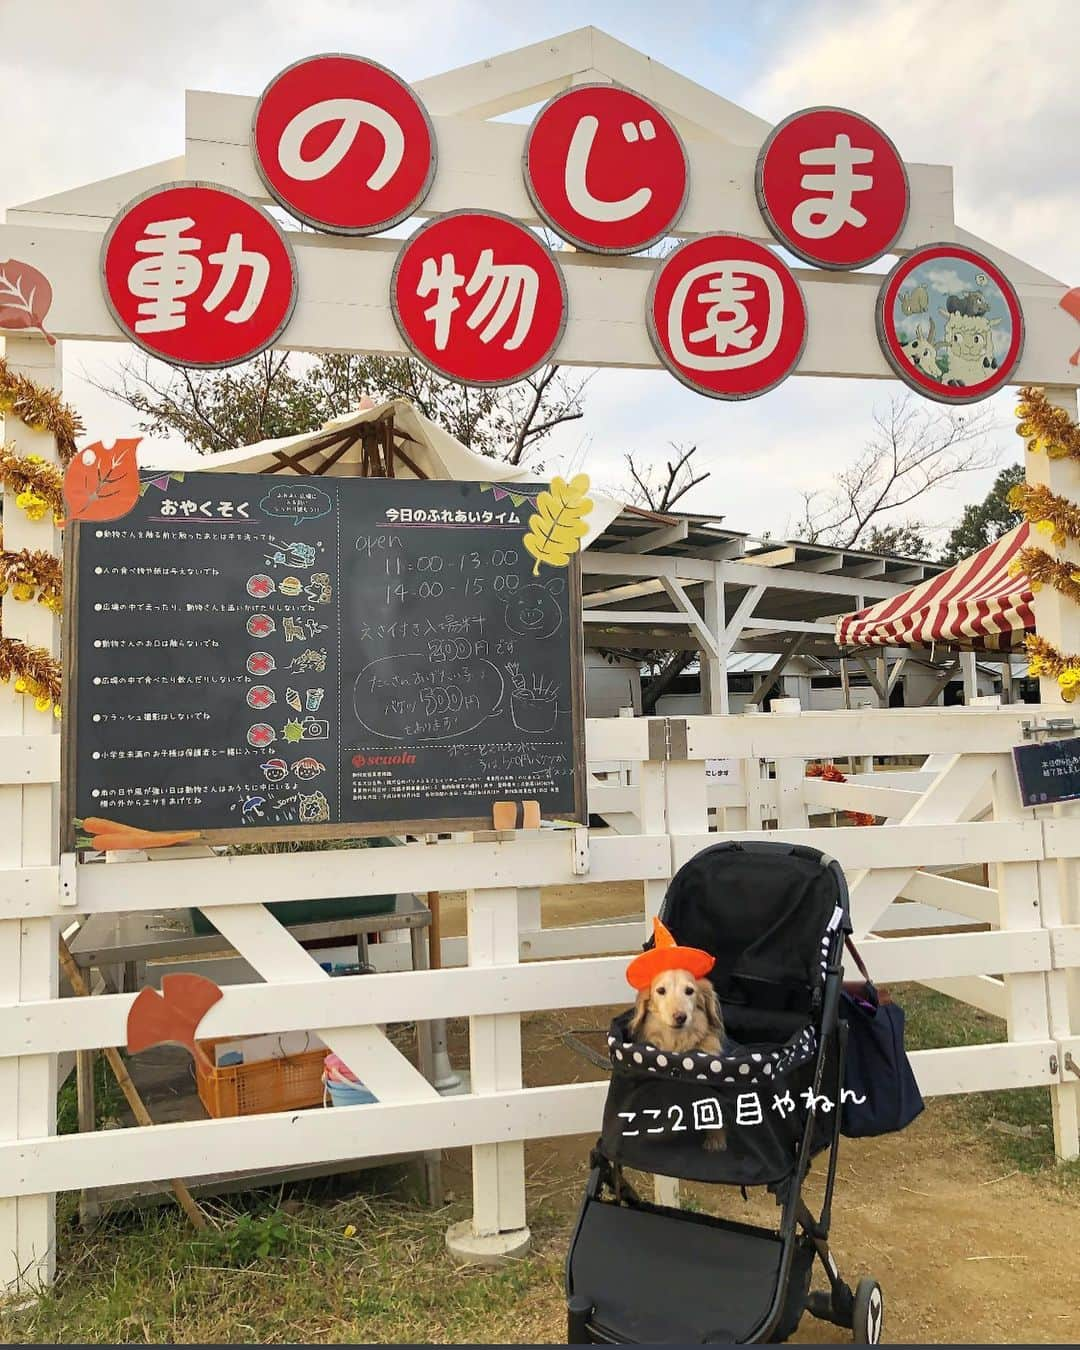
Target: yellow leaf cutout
x,y
558,527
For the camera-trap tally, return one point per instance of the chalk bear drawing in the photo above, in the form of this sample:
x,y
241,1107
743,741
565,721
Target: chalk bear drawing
x,y
533,611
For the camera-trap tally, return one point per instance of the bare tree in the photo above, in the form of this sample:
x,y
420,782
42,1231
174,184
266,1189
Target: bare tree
x,y
913,448
659,490
277,394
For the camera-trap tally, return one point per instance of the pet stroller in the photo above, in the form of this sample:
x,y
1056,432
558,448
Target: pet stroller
x,y
775,917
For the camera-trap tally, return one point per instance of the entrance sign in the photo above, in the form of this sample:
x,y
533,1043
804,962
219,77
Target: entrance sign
x,y
1048,772
950,323
832,187
331,657
479,298
726,316
343,144
197,275
606,169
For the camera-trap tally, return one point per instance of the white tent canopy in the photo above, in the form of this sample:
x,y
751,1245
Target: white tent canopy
x,y
344,447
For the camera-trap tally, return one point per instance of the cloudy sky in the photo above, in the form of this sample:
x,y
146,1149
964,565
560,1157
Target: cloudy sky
x,y
96,87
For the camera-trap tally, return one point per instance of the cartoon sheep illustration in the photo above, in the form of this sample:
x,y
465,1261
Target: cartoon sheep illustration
x,y
969,338
921,350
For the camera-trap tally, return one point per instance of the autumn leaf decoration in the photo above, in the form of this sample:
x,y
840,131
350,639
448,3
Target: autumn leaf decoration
x,y
556,530
25,297
102,484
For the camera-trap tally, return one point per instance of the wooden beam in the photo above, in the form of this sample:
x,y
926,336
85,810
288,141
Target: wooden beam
x,y
657,539
765,684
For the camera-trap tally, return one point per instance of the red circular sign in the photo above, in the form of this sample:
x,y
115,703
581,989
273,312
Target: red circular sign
x,y
343,144
197,275
478,298
726,316
950,323
832,188
606,169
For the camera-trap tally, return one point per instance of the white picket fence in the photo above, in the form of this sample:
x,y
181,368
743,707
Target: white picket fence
x,y
961,808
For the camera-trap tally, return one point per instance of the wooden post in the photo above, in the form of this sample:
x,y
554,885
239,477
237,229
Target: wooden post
x,y
497,1230
1057,619
714,676
28,838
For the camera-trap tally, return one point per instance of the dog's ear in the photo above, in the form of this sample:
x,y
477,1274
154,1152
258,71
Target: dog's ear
x,y
641,1011
711,1005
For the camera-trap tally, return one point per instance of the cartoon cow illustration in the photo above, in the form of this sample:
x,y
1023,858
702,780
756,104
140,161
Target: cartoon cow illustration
x,y
969,339
921,350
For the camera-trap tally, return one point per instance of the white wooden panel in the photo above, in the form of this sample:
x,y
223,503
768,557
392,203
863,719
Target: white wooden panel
x,y
1065,945
961,897
26,891
544,859
878,801
344,306
198,1148
29,759
892,846
943,956
905,916
480,167
893,731
983,1068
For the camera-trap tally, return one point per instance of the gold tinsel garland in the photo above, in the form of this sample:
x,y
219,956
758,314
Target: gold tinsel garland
x,y
1050,514
32,574
34,671
37,486
1045,659
40,409
1046,429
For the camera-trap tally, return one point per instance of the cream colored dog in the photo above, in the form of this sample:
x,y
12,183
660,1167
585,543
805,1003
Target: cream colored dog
x,y
678,1012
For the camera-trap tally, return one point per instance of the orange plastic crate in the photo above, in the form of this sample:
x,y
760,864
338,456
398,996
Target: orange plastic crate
x,y
254,1089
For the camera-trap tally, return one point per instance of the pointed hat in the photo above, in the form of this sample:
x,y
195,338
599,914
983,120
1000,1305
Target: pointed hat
x,y
667,955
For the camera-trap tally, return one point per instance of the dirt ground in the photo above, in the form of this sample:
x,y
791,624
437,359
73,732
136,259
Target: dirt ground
x,y
967,1249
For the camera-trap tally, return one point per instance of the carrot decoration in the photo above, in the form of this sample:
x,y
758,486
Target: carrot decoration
x,y
112,835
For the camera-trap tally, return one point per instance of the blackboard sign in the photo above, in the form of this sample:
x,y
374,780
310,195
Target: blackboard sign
x,y
1048,772
280,658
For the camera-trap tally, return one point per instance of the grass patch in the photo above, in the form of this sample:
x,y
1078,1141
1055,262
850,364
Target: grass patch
x,y
108,1100
347,1270
1016,1123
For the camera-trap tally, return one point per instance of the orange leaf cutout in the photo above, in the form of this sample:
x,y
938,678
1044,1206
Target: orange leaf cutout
x,y
25,297
102,484
1070,303
173,1016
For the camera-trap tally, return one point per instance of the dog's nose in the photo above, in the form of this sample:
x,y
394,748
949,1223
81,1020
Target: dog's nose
x,y
680,1019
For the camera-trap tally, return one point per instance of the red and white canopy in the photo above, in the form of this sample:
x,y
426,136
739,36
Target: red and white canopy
x,y
976,605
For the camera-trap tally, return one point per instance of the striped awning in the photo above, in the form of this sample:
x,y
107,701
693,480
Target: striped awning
x,y
975,605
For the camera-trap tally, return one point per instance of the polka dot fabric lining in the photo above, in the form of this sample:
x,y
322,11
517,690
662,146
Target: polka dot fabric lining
x,y
736,1065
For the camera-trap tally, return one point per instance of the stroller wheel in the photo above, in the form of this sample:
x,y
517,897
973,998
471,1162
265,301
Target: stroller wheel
x,y
868,1313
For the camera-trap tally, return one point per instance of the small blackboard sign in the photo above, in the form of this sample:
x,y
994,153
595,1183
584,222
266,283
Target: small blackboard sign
x,y
266,658
1048,772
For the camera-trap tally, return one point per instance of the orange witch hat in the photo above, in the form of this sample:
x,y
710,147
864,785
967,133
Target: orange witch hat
x,y
667,955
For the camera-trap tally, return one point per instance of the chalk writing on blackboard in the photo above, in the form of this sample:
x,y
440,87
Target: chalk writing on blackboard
x,y
330,657
1048,772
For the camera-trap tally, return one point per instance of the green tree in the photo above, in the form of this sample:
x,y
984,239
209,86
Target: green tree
x,y
282,394
906,540
985,521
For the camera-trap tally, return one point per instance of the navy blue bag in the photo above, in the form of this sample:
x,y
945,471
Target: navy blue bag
x,y
880,1093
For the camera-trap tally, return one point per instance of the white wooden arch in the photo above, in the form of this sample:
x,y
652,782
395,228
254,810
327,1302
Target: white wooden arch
x,y
344,284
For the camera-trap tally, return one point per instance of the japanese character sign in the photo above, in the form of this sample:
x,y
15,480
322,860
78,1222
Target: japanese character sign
x,y
950,323
343,144
197,275
479,298
726,316
832,188
606,169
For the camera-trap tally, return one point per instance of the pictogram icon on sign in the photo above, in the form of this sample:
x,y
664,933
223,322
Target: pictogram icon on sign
x,y
606,169
832,188
478,297
344,144
197,275
726,316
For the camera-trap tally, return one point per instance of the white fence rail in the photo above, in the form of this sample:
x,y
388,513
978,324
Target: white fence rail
x,y
1018,963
